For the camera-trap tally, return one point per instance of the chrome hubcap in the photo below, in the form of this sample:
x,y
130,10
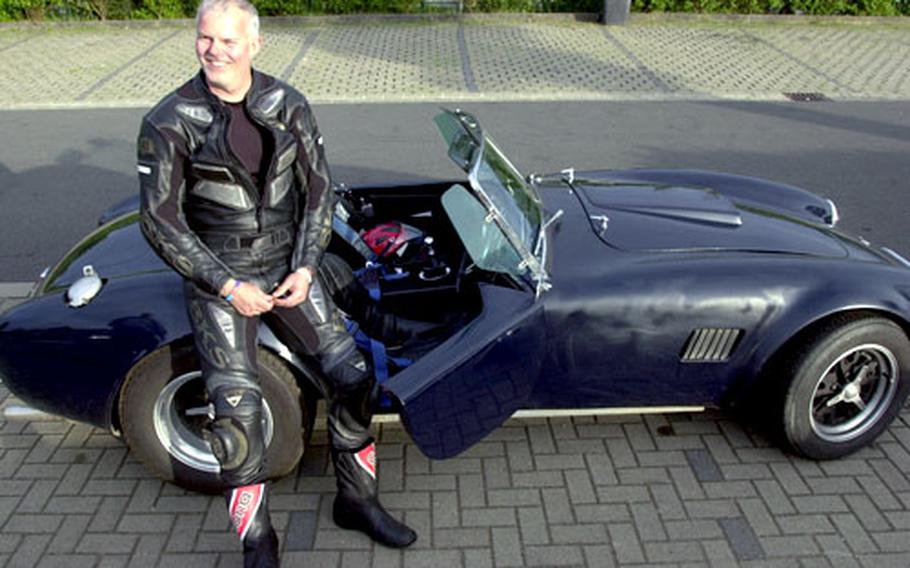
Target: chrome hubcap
x,y
853,393
180,414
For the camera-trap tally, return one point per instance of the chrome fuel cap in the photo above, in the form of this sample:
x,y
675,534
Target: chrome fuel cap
x,y
83,290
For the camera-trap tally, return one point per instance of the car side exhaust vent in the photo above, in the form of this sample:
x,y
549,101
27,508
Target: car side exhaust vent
x,y
710,344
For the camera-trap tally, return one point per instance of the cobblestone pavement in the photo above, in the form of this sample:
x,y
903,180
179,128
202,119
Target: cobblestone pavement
x,y
476,59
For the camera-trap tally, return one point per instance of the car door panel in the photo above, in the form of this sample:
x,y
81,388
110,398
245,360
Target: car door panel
x,y
469,385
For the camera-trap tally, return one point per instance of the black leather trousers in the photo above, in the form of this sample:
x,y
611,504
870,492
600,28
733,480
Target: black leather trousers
x,y
226,343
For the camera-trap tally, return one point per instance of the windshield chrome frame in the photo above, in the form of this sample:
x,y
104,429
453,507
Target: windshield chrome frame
x,y
540,250
528,259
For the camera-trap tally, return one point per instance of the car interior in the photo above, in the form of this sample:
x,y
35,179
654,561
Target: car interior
x,y
430,277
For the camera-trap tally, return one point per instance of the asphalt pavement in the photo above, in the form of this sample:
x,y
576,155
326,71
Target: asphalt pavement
x,y
655,490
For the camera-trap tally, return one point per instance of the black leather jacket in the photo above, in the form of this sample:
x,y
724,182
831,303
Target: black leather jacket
x,y
196,195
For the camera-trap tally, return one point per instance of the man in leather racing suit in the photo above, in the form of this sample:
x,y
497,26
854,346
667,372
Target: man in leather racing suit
x,y
236,197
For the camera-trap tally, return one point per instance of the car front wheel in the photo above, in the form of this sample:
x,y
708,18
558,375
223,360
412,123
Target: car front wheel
x,y
164,412
844,387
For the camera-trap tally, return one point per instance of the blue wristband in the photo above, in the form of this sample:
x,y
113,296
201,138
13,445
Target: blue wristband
x,y
230,297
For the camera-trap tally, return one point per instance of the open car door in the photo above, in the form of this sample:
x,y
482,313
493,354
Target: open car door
x,y
459,392
467,386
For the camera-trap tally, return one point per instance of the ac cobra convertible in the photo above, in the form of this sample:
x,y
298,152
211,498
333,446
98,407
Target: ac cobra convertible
x,y
640,289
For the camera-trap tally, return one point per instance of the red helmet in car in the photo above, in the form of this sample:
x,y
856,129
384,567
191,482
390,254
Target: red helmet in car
x,y
393,239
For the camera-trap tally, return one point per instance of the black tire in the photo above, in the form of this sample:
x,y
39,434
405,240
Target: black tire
x,y
843,387
160,434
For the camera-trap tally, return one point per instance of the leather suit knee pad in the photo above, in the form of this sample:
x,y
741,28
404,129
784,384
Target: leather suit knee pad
x,y
351,372
236,434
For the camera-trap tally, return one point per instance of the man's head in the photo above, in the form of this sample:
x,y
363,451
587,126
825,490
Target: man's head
x,y
227,39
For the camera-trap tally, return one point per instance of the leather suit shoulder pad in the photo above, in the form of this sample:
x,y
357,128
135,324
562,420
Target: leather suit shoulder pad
x,y
184,104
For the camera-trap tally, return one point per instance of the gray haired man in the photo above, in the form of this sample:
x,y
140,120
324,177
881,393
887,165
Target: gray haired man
x,y
237,198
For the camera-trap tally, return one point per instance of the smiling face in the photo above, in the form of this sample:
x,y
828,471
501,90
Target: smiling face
x,y
225,47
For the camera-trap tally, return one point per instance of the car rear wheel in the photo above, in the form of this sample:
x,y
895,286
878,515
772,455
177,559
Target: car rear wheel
x,y
164,411
845,386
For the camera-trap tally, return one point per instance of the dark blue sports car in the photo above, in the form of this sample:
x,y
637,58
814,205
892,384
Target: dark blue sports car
x,y
643,290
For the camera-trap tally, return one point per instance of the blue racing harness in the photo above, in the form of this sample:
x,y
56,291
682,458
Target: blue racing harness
x,y
370,276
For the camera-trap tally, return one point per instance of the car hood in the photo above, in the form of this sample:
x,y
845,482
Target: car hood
x,y
669,217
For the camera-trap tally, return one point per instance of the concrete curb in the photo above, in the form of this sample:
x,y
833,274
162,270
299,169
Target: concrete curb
x,y
11,290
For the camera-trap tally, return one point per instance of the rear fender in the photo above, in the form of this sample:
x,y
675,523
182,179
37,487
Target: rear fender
x,y
267,339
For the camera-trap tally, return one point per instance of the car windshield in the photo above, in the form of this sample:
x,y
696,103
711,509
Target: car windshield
x,y
500,223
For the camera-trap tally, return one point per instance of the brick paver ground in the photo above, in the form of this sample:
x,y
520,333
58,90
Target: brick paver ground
x,y
475,59
658,490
